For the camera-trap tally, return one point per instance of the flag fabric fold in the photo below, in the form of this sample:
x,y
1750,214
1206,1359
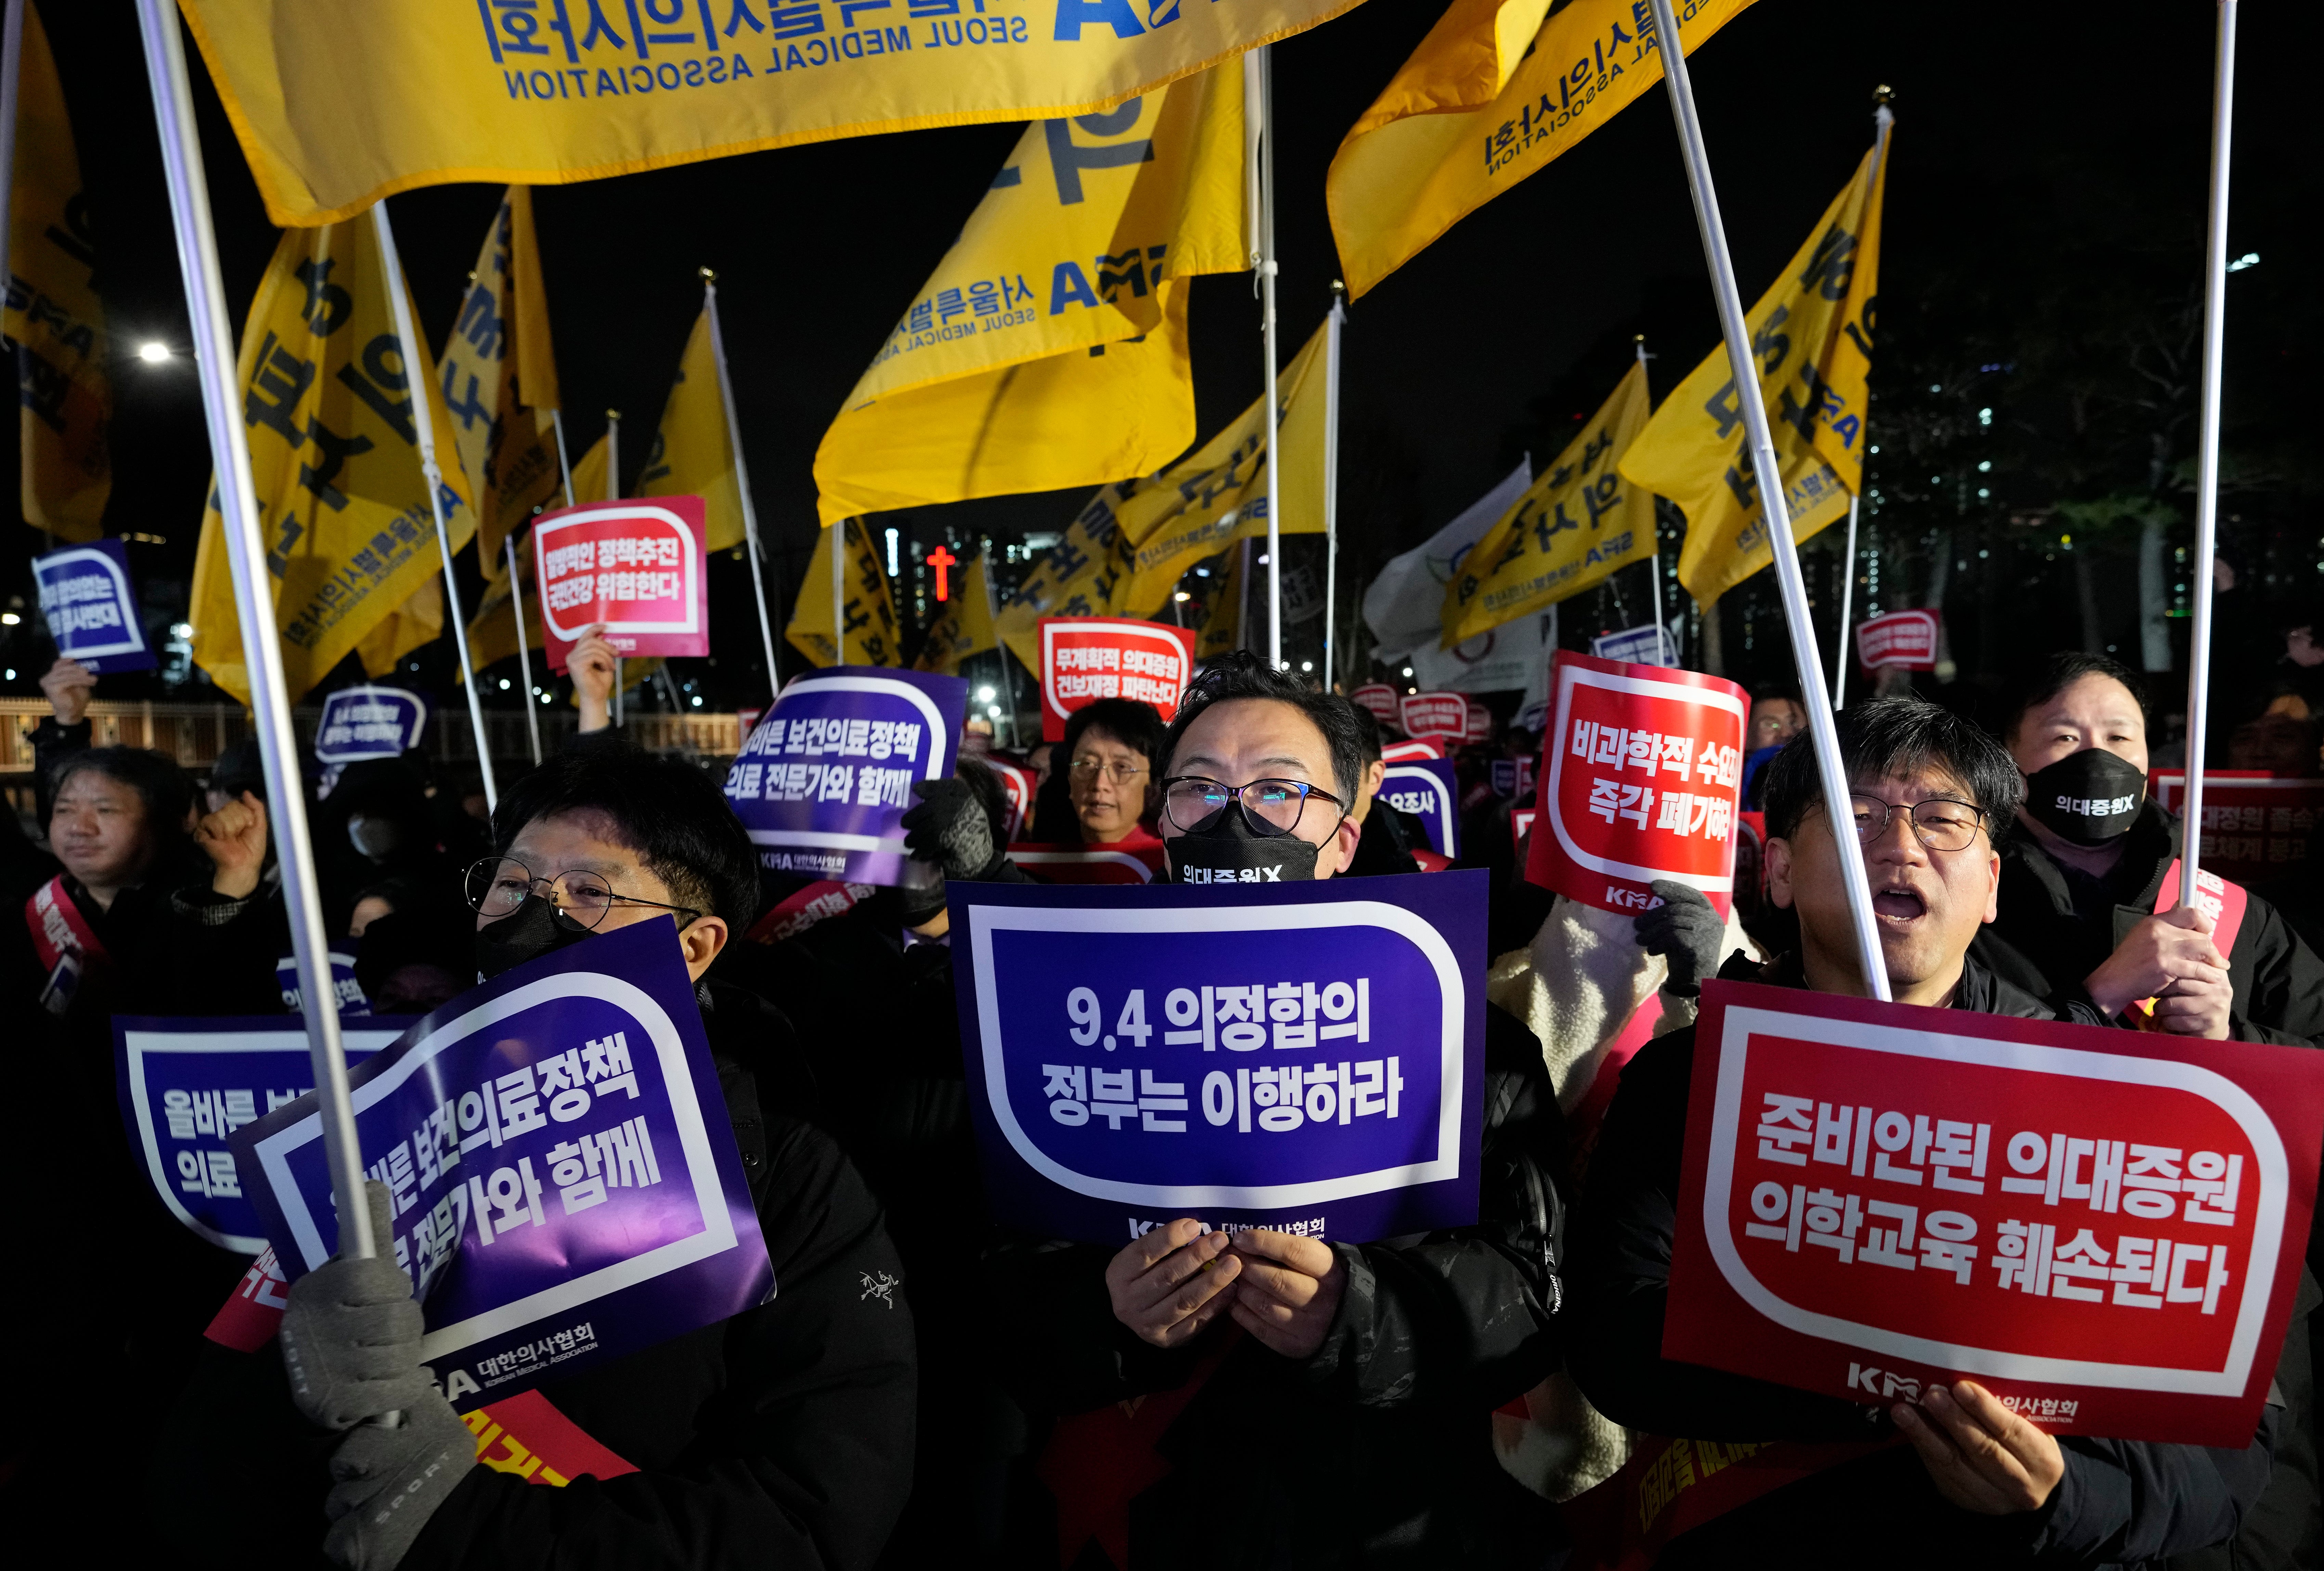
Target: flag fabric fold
x,y
964,628
498,374
692,455
870,637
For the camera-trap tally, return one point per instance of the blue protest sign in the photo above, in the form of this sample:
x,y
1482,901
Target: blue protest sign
x,y
1647,645
344,986
185,1086
1430,790
828,773
90,608
369,722
565,1178
1305,1056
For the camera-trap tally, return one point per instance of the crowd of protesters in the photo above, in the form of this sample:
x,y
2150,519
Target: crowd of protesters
x,y
1480,1397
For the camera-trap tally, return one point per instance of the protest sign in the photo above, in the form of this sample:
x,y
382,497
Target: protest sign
x,y
633,566
348,992
803,908
1087,658
1404,751
1613,729
2105,1228
1442,715
1479,728
1303,1057
2224,902
1907,638
2255,826
1512,777
1379,699
91,610
1521,821
369,722
565,1180
1140,859
1017,782
185,1086
1428,791
823,782
1648,645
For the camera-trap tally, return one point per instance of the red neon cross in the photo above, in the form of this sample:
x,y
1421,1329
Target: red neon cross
x,y
940,559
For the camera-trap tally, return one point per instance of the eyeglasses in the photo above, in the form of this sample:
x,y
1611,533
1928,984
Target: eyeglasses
x,y
1088,769
498,886
1941,823
1270,807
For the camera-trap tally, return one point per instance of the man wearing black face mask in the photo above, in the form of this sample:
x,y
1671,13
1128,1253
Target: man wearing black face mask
x,y
2085,862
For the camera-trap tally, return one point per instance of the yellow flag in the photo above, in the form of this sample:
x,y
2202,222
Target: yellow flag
x,y
1573,527
338,103
692,455
1492,94
870,616
500,414
1077,576
965,628
492,633
1813,333
53,314
419,620
335,460
1031,358
591,482
1222,630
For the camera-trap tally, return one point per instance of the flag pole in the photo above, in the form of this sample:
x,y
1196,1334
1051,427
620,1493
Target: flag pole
x,y
614,494
1846,595
564,463
1258,93
12,69
416,377
1331,329
741,476
523,653
2206,483
1824,739
262,650
839,592
1663,640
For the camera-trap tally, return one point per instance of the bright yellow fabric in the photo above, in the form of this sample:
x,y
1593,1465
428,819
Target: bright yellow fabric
x,y
1222,629
965,628
419,620
692,455
870,615
338,103
506,445
1812,332
1575,525
53,312
1492,94
591,481
335,462
1048,349
491,631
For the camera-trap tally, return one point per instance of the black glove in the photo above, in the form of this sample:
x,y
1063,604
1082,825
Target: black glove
x,y
948,826
1686,930
350,1336
387,1482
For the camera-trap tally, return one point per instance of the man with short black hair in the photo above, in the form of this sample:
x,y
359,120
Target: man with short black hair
x,y
1977,1483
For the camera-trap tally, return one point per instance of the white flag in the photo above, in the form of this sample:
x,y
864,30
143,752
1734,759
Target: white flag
x,y
1405,605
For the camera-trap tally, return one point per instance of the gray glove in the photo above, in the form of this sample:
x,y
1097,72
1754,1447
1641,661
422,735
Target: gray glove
x,y
350,1336
948,826
1686,930
387,1482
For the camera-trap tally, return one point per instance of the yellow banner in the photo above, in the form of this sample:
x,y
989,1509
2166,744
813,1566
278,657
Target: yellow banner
x,y
1492,94
492,633
1573,527
1031,359
692,455
965,627
53,314
1813,333
338,103
870,615
593,480
506,445
418,620
1077,576
1222,629
334,461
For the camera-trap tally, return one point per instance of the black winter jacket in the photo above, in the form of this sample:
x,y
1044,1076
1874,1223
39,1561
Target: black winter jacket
x,y
2120,1503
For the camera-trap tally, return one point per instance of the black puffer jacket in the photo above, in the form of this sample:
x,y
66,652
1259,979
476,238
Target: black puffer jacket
x,y
2120,1503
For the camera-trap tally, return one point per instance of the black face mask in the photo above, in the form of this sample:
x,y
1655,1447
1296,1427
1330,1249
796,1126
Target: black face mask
x,y
1227,850
2087,797
532,930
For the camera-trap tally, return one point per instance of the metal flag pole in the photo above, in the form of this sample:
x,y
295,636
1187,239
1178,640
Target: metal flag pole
x,y
1847,595
1663,640
742,475
1823,738
525,653
1259,91
12,69
415,378
839,591
2207,481
1331,330
614,494
564,463
262,650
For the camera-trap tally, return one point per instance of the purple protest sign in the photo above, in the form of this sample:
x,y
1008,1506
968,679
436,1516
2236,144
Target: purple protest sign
x,y
566,1182
90,607
827,773
1429,790
1305,1056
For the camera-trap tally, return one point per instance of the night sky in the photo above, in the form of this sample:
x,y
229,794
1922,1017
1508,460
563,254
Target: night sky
x,y
2034,148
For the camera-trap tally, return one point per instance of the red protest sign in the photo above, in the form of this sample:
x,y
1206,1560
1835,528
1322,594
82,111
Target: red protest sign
x,y
1641,777
1521,825
1410,752
1480,722
1016,780
2254,826
2224,902
1381,699
1444,715
2105,1228
1087,658
1902,638
635,567
1136,860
